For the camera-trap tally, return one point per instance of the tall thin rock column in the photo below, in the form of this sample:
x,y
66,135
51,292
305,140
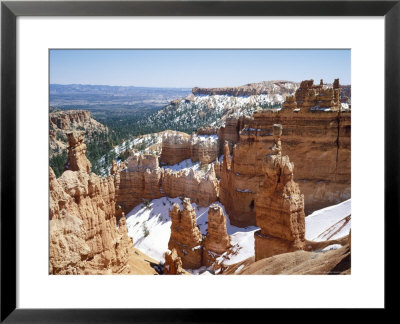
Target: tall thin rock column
x,y
217,239
185,237
279,206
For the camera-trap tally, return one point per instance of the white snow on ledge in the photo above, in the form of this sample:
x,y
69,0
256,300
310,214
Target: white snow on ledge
x,y
333,218
204,138
187,164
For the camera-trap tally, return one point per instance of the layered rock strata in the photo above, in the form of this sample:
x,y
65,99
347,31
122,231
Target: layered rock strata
x,y
186,237
84,237
251,89
217,239
67,121
310,96
279,206
178,146
318,142
203,189
204,148
77,160
175,147
70,120
144,179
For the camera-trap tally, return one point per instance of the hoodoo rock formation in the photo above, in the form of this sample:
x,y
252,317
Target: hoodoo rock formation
x,y
217,239
84,237
77,160
173,263
185,237
279,206
315,97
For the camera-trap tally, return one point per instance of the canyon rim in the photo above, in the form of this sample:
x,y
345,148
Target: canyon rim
x,y
243,179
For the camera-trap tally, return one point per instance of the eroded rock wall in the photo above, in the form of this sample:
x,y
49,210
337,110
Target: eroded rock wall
x,y
310,96
319,145
178,146
175,147
143,179
84,238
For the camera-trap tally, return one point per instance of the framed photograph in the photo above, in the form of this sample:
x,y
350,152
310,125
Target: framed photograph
x,y
196,149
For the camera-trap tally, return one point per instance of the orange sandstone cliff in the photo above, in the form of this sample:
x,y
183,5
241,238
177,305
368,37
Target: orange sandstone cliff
x,y
84,237
144,179
318,142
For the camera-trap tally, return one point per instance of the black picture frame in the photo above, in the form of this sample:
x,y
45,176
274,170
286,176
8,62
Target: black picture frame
x,y
10,10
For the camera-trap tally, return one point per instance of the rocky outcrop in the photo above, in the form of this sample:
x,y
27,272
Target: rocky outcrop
x,y
209,130
84,238
315,97
185,237
333,262
77,160
67,121
173,263
251,89
240,180
204,148
230,132
144,179
279,206
178,146
318,142
200,188
70,120
290,103
175,147
217,239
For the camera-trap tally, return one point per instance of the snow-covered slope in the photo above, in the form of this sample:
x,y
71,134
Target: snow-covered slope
x,y
150,226
144,144
329,223
210,110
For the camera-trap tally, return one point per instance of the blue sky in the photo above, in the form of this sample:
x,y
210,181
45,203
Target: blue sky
x,y
202,68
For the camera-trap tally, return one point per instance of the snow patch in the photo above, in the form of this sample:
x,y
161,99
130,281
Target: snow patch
x,y
331,218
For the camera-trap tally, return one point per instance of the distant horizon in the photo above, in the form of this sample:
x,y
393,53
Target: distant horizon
x,y
204,68
161,87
